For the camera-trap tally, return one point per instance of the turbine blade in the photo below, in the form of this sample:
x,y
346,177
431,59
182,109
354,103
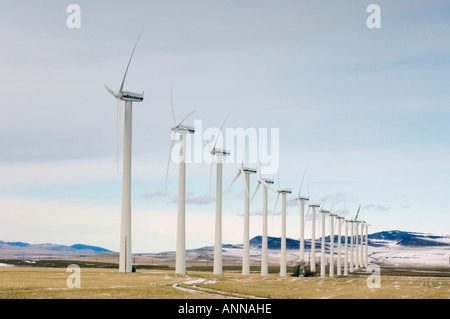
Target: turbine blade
x,y
246,186
245,145
171,103
129,61
256,190
220,131
267,185
170,157
307,213
119,117
235,178
357,212
332,205
184,118
278,178
109,90
301,184
275,207
210,180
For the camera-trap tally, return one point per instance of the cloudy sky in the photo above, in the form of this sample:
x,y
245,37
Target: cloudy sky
x,y
365,110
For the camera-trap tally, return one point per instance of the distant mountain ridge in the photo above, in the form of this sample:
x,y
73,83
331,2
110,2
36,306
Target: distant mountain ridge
x,y
48,246
401,238
19,249
380,239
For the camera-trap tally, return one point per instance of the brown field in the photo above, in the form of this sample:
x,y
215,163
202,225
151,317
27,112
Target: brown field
x,y
50,281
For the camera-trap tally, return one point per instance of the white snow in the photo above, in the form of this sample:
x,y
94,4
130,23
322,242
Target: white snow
x,y
6,265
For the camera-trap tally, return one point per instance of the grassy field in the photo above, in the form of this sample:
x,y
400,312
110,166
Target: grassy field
x,y
100,281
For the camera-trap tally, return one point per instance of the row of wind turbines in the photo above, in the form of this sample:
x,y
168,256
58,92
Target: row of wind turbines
x,y
125,259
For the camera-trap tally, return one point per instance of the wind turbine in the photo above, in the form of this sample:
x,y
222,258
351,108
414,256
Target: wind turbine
x,y
125,260
313,207
301,207
264,257
180,264
245,172
219,153
283,192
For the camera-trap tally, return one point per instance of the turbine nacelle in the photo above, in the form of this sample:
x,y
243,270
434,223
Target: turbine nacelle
x,y
284,190
301,198
248,170
183,129
126,95
131,96
313,205
221,152
266,180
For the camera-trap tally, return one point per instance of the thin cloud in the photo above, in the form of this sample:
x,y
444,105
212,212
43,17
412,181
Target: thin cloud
x,y
375,208
191,198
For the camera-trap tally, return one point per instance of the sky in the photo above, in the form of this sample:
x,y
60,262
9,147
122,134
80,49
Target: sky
x,y
364,111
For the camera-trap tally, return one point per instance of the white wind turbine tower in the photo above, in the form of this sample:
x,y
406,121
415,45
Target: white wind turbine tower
x,y
125,260
339,261
219,153
264,256
361,253
366,262
351,244
332,244
180,264
313,236
356,222
301,207
245,173
346,249
322,256
283,192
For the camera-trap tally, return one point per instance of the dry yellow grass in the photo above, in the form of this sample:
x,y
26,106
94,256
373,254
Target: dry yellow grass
x,y
36,282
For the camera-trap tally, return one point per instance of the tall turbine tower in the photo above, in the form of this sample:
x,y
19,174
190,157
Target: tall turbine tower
x,y
283,192
332,244
356,224
182,130
313,207
301,207
367,246
339,260
352,265
125,260
322,255
346,249
219,153
245,172
264,256
361,254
